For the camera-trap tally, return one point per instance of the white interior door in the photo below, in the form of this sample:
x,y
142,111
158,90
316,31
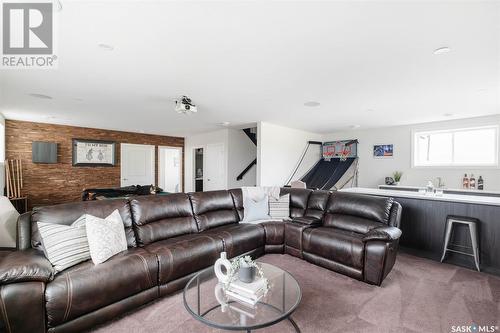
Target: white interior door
x,y
215,167
170,169
137,164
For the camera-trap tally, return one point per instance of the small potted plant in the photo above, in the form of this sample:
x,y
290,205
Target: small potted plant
x,y
397,177
245,269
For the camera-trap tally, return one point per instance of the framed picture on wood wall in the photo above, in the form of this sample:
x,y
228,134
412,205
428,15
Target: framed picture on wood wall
x,y
93,153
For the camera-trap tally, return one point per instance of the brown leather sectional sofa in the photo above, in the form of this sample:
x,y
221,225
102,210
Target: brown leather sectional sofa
x,y
172,237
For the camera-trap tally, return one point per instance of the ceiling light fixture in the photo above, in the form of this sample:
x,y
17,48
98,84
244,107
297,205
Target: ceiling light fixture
x,y
225,123
442,50
184,105
355,126
106,47
42,96
312,104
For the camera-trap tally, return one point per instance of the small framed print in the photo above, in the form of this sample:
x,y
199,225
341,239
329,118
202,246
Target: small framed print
x,y
383,151
93,153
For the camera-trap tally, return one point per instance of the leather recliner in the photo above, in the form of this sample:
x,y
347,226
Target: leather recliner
x,y
171,238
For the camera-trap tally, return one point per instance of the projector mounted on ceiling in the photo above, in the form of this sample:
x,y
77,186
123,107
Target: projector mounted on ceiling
x,y
184,105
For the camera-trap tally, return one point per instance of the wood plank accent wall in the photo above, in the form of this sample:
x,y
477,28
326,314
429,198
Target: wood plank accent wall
x,y
48,184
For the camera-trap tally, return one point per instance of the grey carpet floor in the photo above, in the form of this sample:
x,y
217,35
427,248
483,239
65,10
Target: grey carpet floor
x,y
419,295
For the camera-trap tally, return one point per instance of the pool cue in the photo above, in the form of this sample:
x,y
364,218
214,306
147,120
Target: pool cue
x,y
7,177
18,179
21,167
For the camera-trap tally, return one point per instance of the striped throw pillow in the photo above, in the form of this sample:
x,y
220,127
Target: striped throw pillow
x,y
280,209
65,245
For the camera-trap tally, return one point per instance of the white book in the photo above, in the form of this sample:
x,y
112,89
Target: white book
x,y
250,288
255,295
246,300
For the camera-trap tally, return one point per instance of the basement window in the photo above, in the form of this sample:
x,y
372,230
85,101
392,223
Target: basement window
x,y
471,147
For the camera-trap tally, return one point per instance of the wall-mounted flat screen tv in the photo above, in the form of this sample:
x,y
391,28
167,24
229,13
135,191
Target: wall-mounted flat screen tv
x,y
44,152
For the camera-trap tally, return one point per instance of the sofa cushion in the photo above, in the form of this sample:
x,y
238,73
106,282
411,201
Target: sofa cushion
x,y
180,256
350,223
298,200
256,210
370,207
274,232
316,205
106,237
212,209
280,208
84,288
334,244
162,217
239,238
65,245
68,213
237,196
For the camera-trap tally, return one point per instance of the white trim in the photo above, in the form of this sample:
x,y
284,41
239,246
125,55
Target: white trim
x,y
452,165
160,166
153,155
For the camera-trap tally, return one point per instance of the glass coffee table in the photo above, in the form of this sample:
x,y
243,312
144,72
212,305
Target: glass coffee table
x,y
205,300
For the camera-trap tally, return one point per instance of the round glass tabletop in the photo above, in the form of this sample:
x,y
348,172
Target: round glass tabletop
x,y
206,300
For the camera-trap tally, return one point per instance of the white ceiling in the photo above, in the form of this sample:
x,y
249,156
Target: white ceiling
x,y
367,63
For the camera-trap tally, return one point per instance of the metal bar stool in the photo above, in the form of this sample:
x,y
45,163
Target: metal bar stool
x,y
472,226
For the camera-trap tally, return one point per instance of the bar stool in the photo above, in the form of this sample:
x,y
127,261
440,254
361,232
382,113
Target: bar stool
x,y
472,226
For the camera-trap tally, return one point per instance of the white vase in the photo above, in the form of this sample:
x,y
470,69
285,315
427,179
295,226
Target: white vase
x,y
222,261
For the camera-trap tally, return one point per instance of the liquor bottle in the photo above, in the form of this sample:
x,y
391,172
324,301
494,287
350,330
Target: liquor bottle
x,y
480,183
465,182
472,182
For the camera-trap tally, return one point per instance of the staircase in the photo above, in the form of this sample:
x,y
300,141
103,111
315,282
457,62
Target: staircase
x,y
252,135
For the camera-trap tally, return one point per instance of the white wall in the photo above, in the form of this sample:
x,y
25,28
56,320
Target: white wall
x,y
239,152
372,171
278,152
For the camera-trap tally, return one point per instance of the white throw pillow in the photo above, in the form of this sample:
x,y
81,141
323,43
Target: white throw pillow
x,y
280,208
106,237
64,245
256,210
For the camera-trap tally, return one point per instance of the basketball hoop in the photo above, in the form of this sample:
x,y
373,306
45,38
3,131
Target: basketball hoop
x,y
344,155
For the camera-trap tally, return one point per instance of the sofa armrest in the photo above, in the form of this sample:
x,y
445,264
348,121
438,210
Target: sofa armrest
x,y
307,220
23,240
387,234
24,266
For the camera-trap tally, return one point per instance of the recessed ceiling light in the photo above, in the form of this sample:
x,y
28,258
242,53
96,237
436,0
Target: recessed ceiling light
x,y
106,47
442,50
355,126
448,114
42,96
225,123
312,103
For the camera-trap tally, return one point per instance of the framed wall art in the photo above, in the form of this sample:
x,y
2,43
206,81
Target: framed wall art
x,y
93,153
383,151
